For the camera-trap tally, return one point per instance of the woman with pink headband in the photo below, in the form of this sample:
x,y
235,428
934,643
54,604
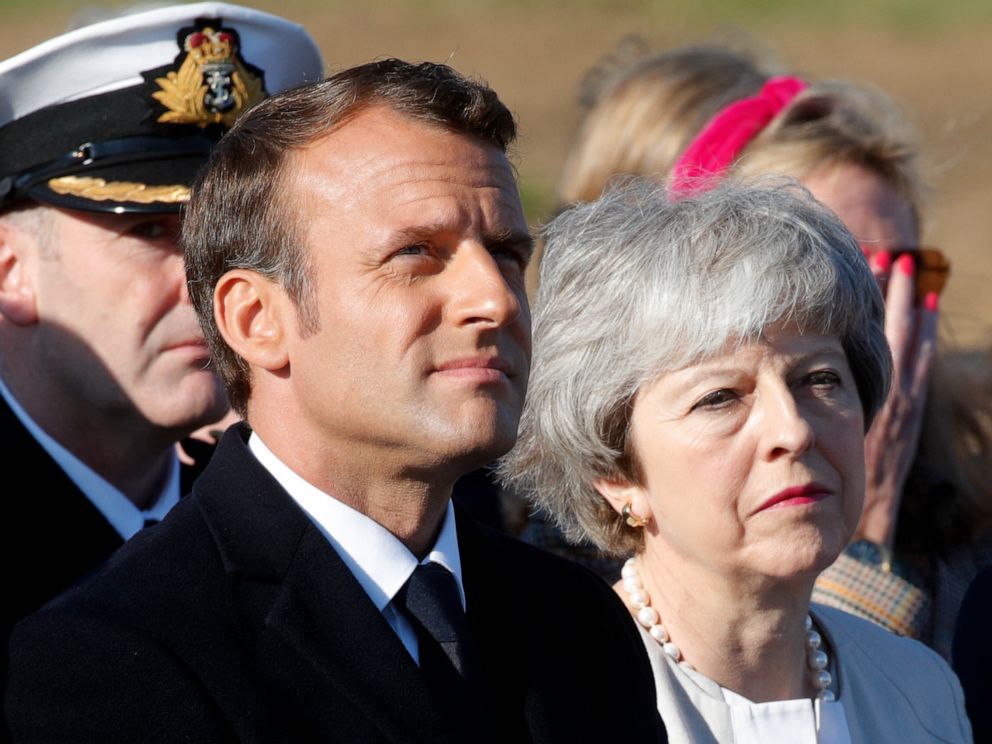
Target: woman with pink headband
x,y
700,114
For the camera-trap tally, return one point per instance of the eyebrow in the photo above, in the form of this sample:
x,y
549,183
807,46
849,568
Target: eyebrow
x,y
699,375
521,242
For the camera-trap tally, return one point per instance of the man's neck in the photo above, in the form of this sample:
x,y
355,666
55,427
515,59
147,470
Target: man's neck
x,y
409,510
135,459
409,502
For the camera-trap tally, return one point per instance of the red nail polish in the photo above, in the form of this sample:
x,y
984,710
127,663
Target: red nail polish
x,y
905,264
883,260
930,301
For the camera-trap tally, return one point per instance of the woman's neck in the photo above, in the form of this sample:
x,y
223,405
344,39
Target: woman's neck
x,y
746,634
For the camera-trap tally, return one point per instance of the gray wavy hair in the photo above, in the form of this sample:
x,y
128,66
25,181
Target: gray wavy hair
x,y
635,284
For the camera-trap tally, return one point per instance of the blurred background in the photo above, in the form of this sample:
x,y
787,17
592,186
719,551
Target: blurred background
x,y
934,57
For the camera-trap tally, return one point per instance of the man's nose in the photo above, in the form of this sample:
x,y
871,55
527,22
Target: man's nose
x,y
480,290
175,274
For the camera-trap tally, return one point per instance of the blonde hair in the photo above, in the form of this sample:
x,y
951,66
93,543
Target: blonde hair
x,y
836,123
642,110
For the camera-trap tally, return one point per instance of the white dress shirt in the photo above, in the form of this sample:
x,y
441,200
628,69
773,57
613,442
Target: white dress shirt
x,y
115,507
381,563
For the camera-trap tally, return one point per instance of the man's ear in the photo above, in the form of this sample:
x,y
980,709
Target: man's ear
x,y
620,492
18,303
250,312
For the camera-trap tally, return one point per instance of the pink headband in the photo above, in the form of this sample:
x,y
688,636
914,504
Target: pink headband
x,y
726,134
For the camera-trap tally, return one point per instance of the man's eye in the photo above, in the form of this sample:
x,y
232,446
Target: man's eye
x,y
153,230
510,255
716,399
417,249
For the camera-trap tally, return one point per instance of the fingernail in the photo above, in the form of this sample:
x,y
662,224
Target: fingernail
x,y
930,301
883,261
905,264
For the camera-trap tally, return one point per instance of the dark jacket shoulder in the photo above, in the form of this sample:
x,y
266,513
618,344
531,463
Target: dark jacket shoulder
x,y
235,619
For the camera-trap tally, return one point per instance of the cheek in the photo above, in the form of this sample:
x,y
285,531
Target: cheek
x,y
389,322
846,453
76,300
154,291
412,313
150,308
698,489
698,519
138,289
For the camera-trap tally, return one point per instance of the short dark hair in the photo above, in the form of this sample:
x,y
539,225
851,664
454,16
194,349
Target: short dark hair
x,y
236,217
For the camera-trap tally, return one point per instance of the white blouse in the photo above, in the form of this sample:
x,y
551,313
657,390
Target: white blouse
x,y
786,721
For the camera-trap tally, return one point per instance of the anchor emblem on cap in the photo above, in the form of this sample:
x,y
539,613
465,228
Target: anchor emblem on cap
x,y
212,84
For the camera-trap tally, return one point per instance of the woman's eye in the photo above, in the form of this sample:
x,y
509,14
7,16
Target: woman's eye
x,y
716,399
824,378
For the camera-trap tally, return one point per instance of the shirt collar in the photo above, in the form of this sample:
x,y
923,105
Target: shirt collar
x,y
379,561
115,507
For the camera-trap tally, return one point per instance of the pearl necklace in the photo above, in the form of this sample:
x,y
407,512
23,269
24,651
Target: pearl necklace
x,y
816,658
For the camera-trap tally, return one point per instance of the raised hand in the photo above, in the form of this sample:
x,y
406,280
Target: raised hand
x,y
890,445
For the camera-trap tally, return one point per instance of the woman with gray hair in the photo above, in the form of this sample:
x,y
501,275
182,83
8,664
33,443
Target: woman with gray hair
x,y
704,373
700,112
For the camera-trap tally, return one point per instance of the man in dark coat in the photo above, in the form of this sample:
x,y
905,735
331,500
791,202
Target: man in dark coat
x,y
103,367
356,254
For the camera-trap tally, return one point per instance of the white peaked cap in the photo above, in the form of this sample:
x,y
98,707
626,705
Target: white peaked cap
x,y
112,54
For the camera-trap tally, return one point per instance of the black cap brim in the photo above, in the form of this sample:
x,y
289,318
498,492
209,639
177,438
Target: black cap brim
x,y
149,186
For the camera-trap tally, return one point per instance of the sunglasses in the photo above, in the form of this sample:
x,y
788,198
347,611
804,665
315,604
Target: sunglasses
x,y
930,267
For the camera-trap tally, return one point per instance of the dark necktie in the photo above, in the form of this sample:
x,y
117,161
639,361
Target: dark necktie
x,y
149,522
449,661
433,605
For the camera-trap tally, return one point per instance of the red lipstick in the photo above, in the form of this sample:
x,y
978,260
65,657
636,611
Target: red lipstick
x,y
797,496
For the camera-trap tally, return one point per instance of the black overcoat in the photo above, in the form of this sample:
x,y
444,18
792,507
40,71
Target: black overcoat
x,y
236,620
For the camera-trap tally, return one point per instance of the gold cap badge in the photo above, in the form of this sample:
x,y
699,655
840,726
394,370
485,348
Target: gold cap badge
x,y
212,85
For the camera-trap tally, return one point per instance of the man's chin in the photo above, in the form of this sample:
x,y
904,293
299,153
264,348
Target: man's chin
x,y
483,447
185,414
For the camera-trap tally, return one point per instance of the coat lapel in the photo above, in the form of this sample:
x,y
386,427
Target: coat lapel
x,y
509,640
53,498
52,518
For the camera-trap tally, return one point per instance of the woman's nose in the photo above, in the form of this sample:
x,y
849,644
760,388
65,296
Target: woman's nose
x,y
786,431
